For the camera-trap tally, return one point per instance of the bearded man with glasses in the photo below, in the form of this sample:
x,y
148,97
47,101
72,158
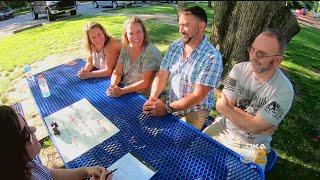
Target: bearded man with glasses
x,y
255,99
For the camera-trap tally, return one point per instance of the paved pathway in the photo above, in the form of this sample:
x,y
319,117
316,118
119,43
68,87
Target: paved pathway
x,y
309,21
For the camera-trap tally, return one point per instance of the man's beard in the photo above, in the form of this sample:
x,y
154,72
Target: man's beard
x,y
262,69
187,40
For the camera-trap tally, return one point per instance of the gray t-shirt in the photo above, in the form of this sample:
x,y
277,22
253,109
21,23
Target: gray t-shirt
x,y
149,60
271,100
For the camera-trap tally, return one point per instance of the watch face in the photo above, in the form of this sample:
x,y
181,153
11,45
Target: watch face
x,y
169,109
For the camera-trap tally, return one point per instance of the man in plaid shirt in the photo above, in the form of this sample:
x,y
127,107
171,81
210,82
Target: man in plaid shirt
x,y
193,67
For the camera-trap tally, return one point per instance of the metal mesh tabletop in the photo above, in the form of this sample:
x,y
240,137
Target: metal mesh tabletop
x,y
175,149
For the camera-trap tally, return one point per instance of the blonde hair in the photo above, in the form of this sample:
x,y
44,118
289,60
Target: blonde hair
x,y
87,43
131,20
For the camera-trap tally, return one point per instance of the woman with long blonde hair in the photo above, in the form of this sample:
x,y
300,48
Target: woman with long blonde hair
x,y
138,62
102,52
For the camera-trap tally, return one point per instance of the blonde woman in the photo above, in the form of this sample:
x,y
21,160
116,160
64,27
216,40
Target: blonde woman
x,y
102,52
138,62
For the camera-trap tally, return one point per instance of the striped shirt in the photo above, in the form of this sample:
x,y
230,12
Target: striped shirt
x,y
203,66
39,171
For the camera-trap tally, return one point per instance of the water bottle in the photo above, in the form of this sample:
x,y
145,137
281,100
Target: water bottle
x,y
43,86
28,72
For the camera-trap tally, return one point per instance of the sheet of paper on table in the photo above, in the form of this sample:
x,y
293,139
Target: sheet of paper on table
x,y
81,127
129,167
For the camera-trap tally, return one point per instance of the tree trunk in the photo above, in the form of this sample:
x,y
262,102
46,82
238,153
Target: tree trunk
x,y
209,4
236,24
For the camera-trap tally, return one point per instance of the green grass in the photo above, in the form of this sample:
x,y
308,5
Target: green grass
x,y
54,38
161,9
299,156
20,12
46,142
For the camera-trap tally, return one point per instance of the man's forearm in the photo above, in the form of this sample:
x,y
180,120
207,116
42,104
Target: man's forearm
x,y
159,83
186,102
200,92
243,120
156,88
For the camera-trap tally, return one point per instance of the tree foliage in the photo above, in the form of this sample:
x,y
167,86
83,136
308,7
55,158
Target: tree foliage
x,y
310,5
14,4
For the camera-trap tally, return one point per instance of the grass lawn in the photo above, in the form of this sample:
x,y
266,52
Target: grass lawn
x,y
161,9
299,156
152,9
20,12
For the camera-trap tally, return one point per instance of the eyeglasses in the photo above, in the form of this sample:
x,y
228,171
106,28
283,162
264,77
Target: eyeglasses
x,y
26,131
260,54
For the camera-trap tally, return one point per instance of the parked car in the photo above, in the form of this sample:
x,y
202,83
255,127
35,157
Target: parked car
x,y
5,13
316,15
53,8
113,4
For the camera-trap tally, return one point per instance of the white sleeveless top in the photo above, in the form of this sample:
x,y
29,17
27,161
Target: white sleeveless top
x,y
98,59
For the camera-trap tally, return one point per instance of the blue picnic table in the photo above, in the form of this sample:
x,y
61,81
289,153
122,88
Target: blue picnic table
x,y
175,149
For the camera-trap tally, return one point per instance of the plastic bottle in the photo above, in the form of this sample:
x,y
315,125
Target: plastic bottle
x,y
43,86
28,72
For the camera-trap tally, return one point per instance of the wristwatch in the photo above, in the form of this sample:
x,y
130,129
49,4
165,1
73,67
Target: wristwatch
x,y
169,108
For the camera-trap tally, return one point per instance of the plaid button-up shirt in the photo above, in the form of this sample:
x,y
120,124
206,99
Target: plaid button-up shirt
x,y
203,66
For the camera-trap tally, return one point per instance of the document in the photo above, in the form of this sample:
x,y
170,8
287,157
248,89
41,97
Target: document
x,y
130,167
78,128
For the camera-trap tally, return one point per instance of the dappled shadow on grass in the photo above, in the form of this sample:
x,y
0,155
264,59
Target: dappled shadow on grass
x,y
295,132
112,24
164,9
285,169
293,137
305,48
63,23
162,33
159,32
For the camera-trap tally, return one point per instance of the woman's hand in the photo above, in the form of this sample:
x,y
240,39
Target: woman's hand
x,y
84,74
115,91
104,175
97,173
